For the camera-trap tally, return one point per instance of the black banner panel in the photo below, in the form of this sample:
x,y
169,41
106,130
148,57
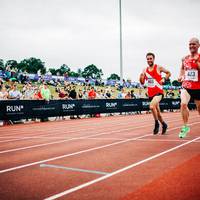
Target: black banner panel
x,y
24,109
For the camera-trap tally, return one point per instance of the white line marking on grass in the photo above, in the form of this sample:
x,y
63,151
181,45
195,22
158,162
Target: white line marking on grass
x,y
118,171
74,169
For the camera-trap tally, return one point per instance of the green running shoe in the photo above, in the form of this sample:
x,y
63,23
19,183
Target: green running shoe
x,y
184,131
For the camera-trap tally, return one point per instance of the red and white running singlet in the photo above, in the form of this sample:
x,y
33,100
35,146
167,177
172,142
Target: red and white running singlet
x,y
192,74
153,82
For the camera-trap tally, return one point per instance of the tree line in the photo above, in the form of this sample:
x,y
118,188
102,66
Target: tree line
x,y
35,65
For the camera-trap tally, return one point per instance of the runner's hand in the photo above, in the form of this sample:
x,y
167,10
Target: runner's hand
x,y
142,77
196,58
143,74
180,78
163,80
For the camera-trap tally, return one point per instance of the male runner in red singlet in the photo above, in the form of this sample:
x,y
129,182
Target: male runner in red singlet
x,y
190,78
152,74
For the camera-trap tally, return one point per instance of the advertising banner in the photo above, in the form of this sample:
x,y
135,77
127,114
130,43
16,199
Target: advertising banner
x,y
24,109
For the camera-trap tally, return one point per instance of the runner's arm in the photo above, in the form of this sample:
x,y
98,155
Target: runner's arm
x,y
142,77
167,72
197,59
182,71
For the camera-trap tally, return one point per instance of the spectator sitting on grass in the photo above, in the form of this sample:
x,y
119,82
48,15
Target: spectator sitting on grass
x,y
92,94
14,93
46,95
80,94
128,95
45,92
28,91
121,94
62,94
37,93
133,96
3,92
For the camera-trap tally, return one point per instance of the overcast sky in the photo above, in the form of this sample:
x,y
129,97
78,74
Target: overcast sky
x,y
83,32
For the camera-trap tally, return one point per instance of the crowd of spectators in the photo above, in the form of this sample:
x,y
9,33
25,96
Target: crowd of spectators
x,y
71,91
13,89
21,88
16,84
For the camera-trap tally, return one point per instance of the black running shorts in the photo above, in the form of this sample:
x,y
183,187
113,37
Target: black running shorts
x,y
195,94
150,98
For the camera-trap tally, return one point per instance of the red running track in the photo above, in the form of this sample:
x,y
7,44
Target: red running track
x,y
181,183
106,158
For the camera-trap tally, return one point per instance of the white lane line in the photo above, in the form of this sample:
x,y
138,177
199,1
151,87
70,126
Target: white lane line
x,y
166,140
71,139
75,138
71,131
64,137
80,152
71,154
118,171
38,145
37,137
101,121
43,135
113,120
92,127
74,169
146,140
47,135
131,122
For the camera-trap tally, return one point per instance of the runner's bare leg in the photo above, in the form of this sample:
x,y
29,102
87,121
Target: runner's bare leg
x,y
185,98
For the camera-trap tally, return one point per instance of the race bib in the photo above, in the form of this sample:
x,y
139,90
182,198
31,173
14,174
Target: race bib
x,y
191,75
151,82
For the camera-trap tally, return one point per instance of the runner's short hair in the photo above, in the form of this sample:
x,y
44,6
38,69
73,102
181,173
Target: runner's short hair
x,y
150,54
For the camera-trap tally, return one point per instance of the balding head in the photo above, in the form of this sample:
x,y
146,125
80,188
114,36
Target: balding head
x,y
194,40
194,46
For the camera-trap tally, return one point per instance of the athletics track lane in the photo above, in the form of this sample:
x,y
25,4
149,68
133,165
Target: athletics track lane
x,y
39,182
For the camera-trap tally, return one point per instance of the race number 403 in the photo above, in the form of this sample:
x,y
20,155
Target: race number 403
x,y
191,75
